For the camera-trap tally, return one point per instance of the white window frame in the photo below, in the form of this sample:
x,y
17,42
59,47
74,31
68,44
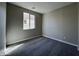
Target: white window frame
x,y
28,26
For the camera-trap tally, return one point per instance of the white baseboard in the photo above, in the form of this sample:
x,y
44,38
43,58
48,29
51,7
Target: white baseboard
x,y
61,41
53,39
25,39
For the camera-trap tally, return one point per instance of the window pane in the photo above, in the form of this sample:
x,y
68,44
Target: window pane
x,y
32,21
25,20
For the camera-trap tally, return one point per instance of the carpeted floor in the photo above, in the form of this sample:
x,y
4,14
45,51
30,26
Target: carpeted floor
x,y
43,46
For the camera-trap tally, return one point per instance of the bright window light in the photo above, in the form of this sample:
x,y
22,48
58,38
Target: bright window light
x,y
25,21
28,21
32,21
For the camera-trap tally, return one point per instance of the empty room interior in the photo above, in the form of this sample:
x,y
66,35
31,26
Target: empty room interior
x,y
39,28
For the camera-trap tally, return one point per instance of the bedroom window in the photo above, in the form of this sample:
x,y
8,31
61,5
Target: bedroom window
x,y
28,21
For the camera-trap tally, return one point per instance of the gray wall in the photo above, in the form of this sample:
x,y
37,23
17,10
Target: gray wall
x,y
62,24
2,27
78,26
15,32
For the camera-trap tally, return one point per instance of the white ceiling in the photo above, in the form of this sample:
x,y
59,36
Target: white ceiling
x,y
42,7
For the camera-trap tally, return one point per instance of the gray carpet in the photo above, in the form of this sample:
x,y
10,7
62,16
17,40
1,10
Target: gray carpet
x,y
43,46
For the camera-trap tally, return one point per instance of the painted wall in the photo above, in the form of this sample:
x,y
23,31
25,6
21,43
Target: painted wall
x,y
62,24
2,27
15,32
78,26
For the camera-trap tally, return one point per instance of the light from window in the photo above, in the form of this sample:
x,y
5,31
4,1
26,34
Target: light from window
x,y
32,21
28,21
25,21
